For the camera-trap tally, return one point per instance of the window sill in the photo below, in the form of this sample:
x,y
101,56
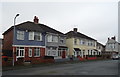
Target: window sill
x,y
36,56
20,39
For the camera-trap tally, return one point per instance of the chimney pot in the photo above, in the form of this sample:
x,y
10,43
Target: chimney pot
x,y
36,20
75,29
114,38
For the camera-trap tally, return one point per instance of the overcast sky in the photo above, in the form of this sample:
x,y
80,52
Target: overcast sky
x,y
98,20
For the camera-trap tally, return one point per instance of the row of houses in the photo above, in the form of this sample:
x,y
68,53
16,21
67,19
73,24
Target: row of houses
x,y
33,40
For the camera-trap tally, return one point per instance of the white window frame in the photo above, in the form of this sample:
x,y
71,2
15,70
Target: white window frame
x,y
37,51
75,41
49,38
62,40
54,38
19,50
30,52
60,52
31,35
37,36
20,35
52,51
82,42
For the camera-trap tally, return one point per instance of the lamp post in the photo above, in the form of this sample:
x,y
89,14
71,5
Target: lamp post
x,y
14,36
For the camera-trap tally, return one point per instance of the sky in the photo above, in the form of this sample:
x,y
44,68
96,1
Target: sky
x,y
95,18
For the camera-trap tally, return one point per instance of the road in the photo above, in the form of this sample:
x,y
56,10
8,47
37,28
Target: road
x,y
107,67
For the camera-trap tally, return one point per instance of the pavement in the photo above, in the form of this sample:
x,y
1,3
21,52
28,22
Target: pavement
x,y
102,67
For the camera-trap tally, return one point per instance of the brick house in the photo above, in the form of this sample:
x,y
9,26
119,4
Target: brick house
x,y
30,40
1,44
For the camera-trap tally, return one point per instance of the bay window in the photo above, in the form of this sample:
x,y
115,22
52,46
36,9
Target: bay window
x,y
52,38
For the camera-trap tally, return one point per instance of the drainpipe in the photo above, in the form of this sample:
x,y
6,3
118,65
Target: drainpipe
x,y
45,44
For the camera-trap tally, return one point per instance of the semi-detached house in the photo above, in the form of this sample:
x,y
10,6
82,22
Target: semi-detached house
x,y
81,45
33,40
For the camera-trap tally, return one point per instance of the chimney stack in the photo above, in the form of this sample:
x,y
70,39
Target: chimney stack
x,y
75,29
108,38
113,38
36,20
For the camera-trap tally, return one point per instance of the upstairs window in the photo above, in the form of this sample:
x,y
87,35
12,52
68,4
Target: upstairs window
x,y
31,35
20,35
35,36
52,38
61,40
75,41
55,39
82,42
49,38
112,45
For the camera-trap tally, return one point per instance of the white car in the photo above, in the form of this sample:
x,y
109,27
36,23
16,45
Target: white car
x,y
115,57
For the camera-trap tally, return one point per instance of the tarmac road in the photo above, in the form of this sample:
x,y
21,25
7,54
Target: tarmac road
x,y
106,67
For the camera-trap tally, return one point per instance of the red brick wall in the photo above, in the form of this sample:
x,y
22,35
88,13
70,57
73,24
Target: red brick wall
x,y
14,48
8,40
26,54
42,52
27,58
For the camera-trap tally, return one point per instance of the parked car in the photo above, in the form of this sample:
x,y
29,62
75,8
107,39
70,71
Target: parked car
x,y
115,56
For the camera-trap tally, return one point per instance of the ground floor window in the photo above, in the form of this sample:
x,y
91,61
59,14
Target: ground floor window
x,y
52,51
20,52
37,52
59,53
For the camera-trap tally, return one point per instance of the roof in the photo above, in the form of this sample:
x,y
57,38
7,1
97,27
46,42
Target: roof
x,y
98,43
31,26
78,34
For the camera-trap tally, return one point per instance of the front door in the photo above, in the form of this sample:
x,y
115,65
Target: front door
x,y
20,52
63,54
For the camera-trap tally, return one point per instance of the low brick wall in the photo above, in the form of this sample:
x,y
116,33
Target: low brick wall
x,y
40,60
6,61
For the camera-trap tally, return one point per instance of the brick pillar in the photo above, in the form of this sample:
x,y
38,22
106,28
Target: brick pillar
x,y
26,53
42,52
32,52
